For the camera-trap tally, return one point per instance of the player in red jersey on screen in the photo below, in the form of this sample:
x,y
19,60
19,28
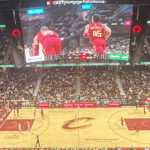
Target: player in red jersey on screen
x,y
51,43
98,33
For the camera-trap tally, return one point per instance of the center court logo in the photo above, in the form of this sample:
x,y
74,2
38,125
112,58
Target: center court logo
x,y
71,124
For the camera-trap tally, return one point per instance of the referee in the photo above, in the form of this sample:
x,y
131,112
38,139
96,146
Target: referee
x,y
37,141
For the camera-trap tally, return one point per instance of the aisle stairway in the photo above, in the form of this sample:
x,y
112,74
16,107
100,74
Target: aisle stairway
x,y
37,86
78,87
118,81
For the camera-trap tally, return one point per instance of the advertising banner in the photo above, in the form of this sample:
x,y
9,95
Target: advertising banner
x,y
113,104
124,57
76,105
43,105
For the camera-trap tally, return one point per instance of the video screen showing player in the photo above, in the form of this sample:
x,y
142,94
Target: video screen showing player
x,y
96,32
71,23
49,41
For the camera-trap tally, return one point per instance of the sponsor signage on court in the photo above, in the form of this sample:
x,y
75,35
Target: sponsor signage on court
x,y
76,105
119,57
43,105
69,124
112,104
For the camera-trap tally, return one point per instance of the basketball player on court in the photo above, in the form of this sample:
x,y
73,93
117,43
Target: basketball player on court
x,y
17,111
34,114
75,119
135,127
14,112
51,43
122,122
37,141
19,126
144,110
42,113
28,125
98,33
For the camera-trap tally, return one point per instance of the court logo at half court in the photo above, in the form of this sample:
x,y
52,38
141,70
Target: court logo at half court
x,y
71,124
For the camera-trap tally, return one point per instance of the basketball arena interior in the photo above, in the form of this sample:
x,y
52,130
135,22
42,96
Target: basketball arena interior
x,y
74,74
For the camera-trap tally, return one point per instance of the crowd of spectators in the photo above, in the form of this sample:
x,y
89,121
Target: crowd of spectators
x,y
136,85
60,85
98,86
121,45
57,86
18,85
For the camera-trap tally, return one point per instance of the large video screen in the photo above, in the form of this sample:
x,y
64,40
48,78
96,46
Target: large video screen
x,y
76,33
146,48
4,42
